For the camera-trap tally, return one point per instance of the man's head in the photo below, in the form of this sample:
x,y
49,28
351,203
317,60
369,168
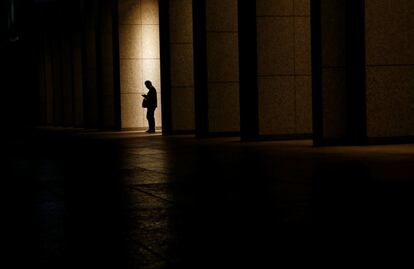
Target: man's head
x,y
148,84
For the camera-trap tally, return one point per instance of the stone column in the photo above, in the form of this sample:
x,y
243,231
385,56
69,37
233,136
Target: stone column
x,y
276,95
284,67
181,75
338,51
222,66
216,67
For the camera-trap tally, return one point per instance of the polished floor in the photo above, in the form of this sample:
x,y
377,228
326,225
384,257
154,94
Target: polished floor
x,y
88,200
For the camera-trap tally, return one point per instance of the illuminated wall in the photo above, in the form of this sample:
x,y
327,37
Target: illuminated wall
x,y
284,67
139,59
182,65
390,67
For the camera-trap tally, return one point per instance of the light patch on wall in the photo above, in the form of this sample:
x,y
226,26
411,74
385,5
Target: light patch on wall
x,y
139,50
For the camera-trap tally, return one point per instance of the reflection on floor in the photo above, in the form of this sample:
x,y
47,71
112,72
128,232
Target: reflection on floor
x,y
138,201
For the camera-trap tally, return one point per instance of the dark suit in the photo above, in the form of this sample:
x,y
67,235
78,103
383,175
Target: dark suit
x,y
151,106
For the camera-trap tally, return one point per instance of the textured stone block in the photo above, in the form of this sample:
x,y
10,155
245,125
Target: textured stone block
x,y
275,38
158,114
222,57
223,107
181,21
302,46
274,7
150,41
302,7
182,65
221,15
129,12
390,32
131,76
276,105
182,108
131,111
390,101
149,13
151,71
130,41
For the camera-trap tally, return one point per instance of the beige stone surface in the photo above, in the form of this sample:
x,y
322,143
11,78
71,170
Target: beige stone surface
x,y
302,46
131,76
129,12
182,108
130,41
150,41
131,111
390,101
181,23
149,9
275,38
140,58
223,107
303,104
182,65
158,113
274,7
151,71
222,57
276,105
221,15
389,32
302,7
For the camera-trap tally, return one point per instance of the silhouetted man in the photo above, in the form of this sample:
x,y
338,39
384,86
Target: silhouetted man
x,y
151,104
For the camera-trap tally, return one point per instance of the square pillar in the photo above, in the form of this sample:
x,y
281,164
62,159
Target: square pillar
x,y
216,69
338,62
275,69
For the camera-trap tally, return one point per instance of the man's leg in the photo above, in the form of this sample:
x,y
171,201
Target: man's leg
x,y
151,120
